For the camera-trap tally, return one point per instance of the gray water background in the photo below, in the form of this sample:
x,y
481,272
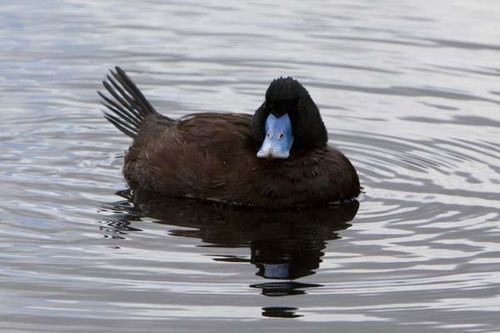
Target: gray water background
x,y
409,91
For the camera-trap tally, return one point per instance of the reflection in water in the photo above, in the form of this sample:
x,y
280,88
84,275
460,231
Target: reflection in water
x,y
284,245
280,312
284,288
120,224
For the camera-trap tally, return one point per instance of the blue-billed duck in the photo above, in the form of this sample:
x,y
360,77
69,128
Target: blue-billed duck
x,y
278,157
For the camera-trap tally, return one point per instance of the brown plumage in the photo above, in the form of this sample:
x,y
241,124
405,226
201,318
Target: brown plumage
x,y
212,156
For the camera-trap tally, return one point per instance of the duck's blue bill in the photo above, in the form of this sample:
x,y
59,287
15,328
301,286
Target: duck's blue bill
x,y
278,140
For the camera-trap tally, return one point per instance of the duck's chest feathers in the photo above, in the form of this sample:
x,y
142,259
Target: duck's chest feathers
x,y
292,177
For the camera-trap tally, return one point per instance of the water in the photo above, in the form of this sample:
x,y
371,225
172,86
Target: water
x,y
409,91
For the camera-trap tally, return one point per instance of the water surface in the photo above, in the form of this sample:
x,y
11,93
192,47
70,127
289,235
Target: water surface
x,y
410,92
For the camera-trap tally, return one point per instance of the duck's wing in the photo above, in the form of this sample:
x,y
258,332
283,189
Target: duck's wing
x,y
127,106
212,128
200,155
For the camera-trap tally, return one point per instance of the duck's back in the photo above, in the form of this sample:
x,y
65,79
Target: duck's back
x,y
213,157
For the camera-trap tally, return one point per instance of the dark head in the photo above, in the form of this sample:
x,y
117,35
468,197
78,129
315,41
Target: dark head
x,y
287,120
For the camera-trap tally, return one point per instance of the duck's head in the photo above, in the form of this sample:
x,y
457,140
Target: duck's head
x,y
288,119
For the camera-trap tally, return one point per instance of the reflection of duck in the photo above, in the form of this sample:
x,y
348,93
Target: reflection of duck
x,y
280,312
284,245
276,158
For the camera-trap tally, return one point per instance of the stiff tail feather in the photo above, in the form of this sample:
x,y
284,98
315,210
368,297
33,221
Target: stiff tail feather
x,y
127,106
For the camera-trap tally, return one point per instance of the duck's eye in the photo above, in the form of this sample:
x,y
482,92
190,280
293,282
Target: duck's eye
x,y
269,135
281,136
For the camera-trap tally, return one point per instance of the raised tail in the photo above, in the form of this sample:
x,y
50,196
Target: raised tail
x,y
127,106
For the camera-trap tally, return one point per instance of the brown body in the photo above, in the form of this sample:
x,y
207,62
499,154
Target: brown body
x,y
213,157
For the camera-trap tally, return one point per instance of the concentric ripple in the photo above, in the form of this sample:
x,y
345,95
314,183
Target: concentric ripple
x,y
413,104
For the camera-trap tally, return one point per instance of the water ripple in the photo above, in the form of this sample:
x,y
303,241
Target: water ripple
x,y
412,104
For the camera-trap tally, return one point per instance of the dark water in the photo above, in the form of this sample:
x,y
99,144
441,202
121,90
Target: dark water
x,y
410,91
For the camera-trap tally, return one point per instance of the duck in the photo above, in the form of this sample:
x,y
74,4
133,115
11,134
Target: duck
x,y
276,158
